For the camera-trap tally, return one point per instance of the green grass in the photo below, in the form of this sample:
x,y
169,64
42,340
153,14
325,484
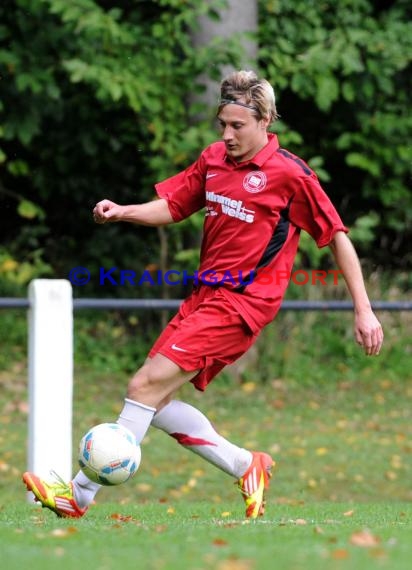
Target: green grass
x,y
202,536
344,454
338,424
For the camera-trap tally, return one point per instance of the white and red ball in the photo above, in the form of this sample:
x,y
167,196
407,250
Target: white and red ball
x,y
109,454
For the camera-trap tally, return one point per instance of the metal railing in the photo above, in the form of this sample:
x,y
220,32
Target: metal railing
x,y
173,304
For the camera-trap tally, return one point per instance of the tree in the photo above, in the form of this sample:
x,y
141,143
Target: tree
x,y
236,21
94,103
343,73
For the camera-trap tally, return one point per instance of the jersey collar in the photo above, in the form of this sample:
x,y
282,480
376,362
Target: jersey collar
x,y
263,155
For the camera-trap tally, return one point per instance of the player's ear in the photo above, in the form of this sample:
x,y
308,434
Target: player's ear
x,y
264,123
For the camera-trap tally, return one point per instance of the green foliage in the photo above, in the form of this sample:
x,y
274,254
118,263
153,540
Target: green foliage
x,y
118,341
14,275
364,229
115,343
13,332
342,71
96,103
99,99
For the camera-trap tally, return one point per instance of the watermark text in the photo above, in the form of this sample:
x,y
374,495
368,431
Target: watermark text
x,y
115,277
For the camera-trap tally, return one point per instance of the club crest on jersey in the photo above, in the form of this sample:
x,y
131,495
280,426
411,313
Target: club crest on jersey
x,y
255,181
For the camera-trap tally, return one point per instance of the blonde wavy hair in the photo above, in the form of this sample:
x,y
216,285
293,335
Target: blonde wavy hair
x,y
246,89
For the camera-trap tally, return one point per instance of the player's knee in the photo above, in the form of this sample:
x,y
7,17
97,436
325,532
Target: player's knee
x,y
142,384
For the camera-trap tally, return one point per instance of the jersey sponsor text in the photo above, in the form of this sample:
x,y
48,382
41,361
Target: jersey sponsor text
x,y
231,207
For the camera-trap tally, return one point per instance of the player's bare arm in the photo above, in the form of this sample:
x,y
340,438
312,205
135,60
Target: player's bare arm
x,y
154,213
368,330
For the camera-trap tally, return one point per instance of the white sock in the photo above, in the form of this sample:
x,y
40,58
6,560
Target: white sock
x,y
136,417
84,490
194,431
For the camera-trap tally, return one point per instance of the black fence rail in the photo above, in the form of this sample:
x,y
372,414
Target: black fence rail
x,y
173,304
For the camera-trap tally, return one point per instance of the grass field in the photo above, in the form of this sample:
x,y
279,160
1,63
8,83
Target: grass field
x,y
199,535
341,497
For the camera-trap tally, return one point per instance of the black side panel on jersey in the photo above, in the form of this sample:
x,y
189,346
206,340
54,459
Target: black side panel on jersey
x,y
275,244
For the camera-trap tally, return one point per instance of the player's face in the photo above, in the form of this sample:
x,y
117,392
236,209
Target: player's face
x,y
242,133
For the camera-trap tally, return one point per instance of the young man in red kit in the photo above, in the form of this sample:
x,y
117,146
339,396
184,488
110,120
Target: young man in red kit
x,y
257,198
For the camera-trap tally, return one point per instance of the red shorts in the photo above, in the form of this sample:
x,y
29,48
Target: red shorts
x,y
206,334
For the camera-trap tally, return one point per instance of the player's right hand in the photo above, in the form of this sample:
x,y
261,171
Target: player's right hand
x,y
106,211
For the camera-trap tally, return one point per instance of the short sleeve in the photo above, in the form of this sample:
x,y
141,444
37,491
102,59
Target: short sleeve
x,y
185,191
311,210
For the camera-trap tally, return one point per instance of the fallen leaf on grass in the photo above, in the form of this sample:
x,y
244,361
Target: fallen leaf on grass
x,y
124,518
278,404
289,501
235,564
120,517
37,520
364,539
144,487
59,551
248,387
219,542
4,467
340,554
275,448
391,475
379,553
64,532
396,462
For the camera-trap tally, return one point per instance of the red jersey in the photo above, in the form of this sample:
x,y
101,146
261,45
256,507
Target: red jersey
x,y
254,211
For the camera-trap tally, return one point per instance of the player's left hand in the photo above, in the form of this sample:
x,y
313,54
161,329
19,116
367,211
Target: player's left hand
x,y
368,332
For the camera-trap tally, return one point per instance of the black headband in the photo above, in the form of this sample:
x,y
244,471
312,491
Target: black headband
x,y
235,102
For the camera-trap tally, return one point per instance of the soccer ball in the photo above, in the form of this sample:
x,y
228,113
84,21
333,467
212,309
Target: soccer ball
x,y
109,454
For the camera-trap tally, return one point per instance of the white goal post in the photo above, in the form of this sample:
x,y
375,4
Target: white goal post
x,y
50,371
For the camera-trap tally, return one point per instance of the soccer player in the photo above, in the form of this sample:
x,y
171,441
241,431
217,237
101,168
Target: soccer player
x,y
257,197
